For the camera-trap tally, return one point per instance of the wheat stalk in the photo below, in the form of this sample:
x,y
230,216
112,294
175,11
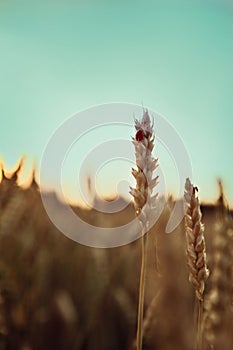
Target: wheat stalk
x,y
219,310
143,198
196,251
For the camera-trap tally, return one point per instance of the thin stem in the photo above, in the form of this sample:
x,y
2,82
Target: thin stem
x,y
141,293
199,325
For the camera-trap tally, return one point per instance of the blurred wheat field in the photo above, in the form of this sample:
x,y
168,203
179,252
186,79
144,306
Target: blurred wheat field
x,y
58,294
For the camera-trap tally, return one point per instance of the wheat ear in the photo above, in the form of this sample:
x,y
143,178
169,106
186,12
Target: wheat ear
x,y
143,198
196,251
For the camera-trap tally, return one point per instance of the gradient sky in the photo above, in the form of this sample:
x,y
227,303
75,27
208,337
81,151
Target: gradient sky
x,y
176,57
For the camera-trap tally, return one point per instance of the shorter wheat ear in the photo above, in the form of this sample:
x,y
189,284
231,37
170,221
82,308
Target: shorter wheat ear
x,y
196,251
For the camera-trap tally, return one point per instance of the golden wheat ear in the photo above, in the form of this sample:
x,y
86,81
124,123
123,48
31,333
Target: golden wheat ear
x,y
196,250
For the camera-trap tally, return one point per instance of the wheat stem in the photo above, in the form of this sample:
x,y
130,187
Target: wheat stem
x,y
144,240
199,324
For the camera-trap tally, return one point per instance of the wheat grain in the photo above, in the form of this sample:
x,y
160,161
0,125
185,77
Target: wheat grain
x,y
196,251
146,164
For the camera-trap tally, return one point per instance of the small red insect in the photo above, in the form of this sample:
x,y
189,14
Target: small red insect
x,y
139,135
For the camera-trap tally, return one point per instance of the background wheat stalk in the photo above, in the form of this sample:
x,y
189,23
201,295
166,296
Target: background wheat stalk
x,y
196,251
219,303
143,198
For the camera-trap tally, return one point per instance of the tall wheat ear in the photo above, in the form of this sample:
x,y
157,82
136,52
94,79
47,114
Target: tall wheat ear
x,y
196,251
144,199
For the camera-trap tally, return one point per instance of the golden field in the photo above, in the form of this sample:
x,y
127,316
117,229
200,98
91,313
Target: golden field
x,y
58,294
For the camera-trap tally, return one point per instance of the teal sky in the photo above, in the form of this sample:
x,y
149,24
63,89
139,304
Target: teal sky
x,y
176,57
